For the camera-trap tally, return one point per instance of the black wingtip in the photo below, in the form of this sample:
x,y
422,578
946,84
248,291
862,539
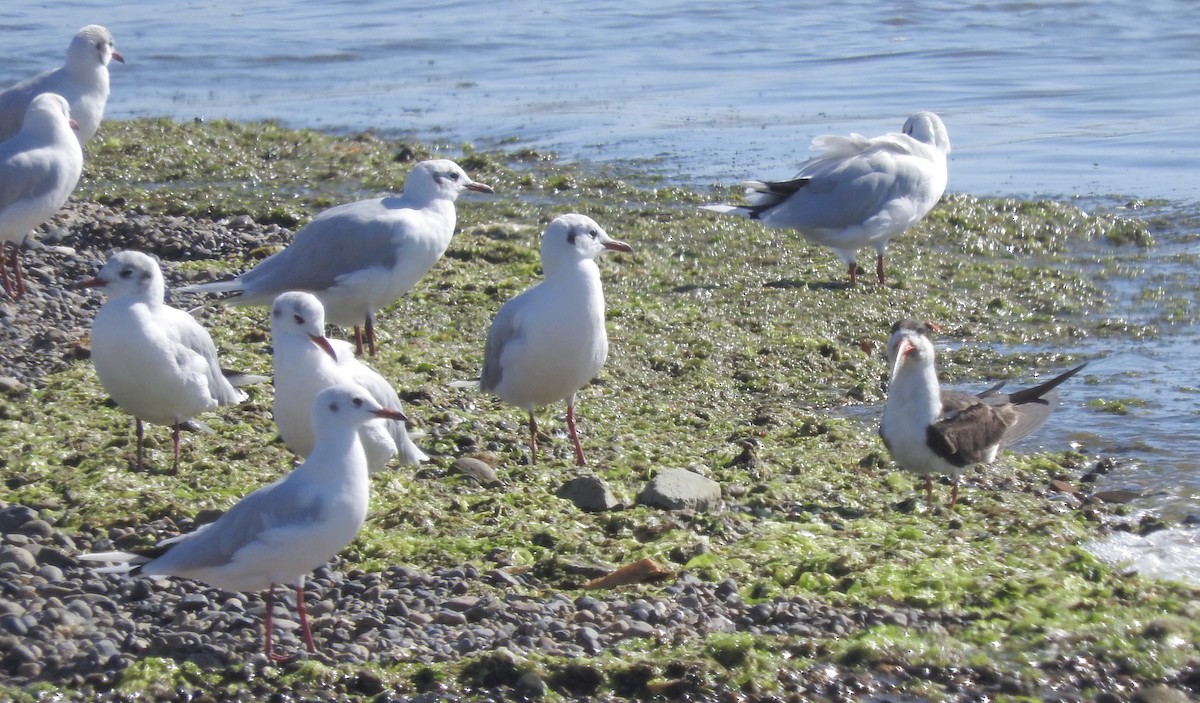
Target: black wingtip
x,y
1035,393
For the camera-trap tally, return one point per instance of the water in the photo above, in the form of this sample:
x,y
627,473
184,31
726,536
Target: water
x,y
1070,98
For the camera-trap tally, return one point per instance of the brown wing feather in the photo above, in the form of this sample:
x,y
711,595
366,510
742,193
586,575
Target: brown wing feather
x,y
969,428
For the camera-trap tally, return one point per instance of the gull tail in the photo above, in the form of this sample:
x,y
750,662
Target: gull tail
x,y
409,453
120,562
240,378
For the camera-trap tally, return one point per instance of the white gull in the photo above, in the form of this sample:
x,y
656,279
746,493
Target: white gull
x,y
549,341
858,192
157,362
306,362
39,167
282,531
361,256
82,80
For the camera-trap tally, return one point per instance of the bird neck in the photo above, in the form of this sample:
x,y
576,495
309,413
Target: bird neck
x,y
916,392
337,453
585,271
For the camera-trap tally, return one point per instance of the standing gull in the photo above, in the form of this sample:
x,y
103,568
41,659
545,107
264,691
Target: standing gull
x,y
306,362
358,257
157,362
547,342
858,192
39,168
285,529
82,80
930,431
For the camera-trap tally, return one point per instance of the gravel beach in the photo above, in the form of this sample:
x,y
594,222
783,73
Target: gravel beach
x,y
523,637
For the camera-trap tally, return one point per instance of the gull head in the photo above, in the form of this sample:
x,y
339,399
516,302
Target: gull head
x,y
347,406
129,274
911,342
926,127
576,237
47,114
300,315
441,179
92,48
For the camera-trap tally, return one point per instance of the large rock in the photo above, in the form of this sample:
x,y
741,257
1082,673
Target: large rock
x,y
680,489
589,493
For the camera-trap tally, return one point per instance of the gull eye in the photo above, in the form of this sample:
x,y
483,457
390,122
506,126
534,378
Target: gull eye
x,y
126,272
358,402
299,320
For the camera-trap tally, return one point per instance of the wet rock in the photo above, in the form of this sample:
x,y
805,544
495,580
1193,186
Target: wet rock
x,y
588,493
681,489
1160,694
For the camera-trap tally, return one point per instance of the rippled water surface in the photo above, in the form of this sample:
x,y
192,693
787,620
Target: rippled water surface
x,y
1059,98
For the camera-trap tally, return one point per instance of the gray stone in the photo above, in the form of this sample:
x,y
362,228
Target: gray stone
x,y
588,493
18,556
680,489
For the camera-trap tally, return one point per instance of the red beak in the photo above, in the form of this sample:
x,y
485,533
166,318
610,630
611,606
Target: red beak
x,y
480,187
117,56
88,282
618,246
391,415
325,346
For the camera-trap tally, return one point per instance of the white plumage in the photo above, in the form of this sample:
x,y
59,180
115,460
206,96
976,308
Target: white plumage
x,y
39,167
361,256
857,192
306,363
82,80
157,362
282,531
550,340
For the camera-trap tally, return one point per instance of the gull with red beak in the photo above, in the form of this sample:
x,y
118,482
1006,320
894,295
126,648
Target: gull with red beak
x,y
307,362
157,362
359,257
82,80
39,168
282,531
549,341
933,432
857,192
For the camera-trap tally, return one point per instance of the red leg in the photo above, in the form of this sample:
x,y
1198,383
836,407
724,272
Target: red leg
x,y
532,439
929,491
358,341
308,638
954,493
267,628
16,267
8,290
141,435
879,269
853,273
371,333
175,441
579,460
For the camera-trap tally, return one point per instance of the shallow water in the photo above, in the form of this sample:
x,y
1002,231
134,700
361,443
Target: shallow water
x,y
1041,98
1056,98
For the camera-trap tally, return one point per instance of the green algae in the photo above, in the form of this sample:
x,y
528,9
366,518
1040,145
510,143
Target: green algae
x,y
724,335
